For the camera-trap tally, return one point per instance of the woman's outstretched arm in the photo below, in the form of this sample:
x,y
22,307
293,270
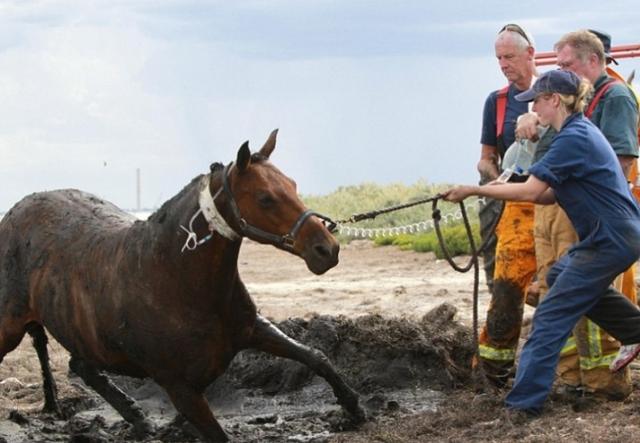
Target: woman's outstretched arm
x,y
533,190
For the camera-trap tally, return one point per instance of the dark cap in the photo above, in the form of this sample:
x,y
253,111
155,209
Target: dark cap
x,y
562,82
606,42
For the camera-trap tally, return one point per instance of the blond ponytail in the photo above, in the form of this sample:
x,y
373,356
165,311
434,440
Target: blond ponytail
x,y
577,103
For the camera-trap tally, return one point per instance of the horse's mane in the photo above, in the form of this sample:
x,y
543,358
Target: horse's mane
x,y
160,215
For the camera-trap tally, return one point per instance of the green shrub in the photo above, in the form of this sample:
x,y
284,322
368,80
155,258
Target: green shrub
x,y
427,243
384,241
455,237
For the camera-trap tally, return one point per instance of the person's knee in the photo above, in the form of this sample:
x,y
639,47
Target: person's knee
x,y
505,317
551,277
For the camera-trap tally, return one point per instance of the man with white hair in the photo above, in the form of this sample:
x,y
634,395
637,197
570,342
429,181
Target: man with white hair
x,y
514,254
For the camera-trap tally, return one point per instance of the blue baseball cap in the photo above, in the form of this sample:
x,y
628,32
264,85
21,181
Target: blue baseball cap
x,y
562,82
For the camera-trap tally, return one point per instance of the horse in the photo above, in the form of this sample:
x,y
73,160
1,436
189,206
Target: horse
x,y
160,298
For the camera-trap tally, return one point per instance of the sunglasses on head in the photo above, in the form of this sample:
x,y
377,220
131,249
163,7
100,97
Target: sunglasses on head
x,y
517,29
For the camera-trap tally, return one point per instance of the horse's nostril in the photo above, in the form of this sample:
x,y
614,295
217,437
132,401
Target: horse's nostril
x,y
322,251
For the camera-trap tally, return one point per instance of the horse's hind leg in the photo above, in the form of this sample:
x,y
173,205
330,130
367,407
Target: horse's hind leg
x,y
11,332
194,407
49,385
266,337
121,402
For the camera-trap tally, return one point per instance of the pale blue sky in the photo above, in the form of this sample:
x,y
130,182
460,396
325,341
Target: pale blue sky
x,y
362,91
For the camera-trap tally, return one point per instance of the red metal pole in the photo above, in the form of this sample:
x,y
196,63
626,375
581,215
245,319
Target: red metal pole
x,y
621,51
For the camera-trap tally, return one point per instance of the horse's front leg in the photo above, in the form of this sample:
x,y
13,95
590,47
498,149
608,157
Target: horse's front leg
x,y
266,337
120,401
194,407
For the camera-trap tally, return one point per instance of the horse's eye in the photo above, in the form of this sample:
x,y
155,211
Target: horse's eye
x,y
266,201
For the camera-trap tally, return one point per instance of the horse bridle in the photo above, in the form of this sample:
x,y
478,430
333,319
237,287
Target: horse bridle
x,y
285,241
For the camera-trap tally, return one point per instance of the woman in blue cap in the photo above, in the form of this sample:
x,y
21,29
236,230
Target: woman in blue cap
x,y
581,172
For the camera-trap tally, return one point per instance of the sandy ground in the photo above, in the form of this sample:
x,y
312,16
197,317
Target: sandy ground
x,y
394,284
368,280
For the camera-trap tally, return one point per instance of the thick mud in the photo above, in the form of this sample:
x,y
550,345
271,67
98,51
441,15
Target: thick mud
x,y
396,365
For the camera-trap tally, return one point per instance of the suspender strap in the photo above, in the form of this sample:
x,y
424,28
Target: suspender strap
x,y
501,110
598,95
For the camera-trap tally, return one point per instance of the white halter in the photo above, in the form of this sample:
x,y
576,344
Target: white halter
x,y
210,211
211,214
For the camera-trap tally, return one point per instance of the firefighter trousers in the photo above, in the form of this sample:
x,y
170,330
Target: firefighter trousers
x,y
585,357
515,266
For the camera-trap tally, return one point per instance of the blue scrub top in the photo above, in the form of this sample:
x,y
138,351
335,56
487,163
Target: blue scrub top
x,y
586,176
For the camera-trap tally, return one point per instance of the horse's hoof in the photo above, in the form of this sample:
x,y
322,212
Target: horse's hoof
x,y
53,410
358,415
144,428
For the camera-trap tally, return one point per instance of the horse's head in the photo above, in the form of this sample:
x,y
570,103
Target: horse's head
x,y
261,203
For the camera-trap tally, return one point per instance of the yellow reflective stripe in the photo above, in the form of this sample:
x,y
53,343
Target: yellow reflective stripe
x,y
587,363
594,337
489,353
596,357
569,346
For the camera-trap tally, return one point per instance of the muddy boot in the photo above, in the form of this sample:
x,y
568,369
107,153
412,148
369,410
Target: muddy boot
x,y
517,417
602,383
586,401
565,393
491,375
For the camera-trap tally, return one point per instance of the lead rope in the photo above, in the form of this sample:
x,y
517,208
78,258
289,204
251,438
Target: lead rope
x,y
373,214
478,373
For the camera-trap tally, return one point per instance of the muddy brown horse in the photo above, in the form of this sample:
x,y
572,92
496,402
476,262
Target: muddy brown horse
x,y
160,298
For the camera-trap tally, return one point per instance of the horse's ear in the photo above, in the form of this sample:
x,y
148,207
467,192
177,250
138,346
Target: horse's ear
x,y
244,157
270,144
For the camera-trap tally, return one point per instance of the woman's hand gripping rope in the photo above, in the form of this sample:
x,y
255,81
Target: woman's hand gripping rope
x,y
457,194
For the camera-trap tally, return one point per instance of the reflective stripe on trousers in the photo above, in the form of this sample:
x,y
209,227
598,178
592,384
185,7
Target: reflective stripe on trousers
x,y
490,353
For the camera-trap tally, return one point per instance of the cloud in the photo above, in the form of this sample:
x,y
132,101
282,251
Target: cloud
x,y
72,99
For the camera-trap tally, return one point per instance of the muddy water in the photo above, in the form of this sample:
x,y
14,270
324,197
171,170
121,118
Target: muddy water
x,y
398,365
